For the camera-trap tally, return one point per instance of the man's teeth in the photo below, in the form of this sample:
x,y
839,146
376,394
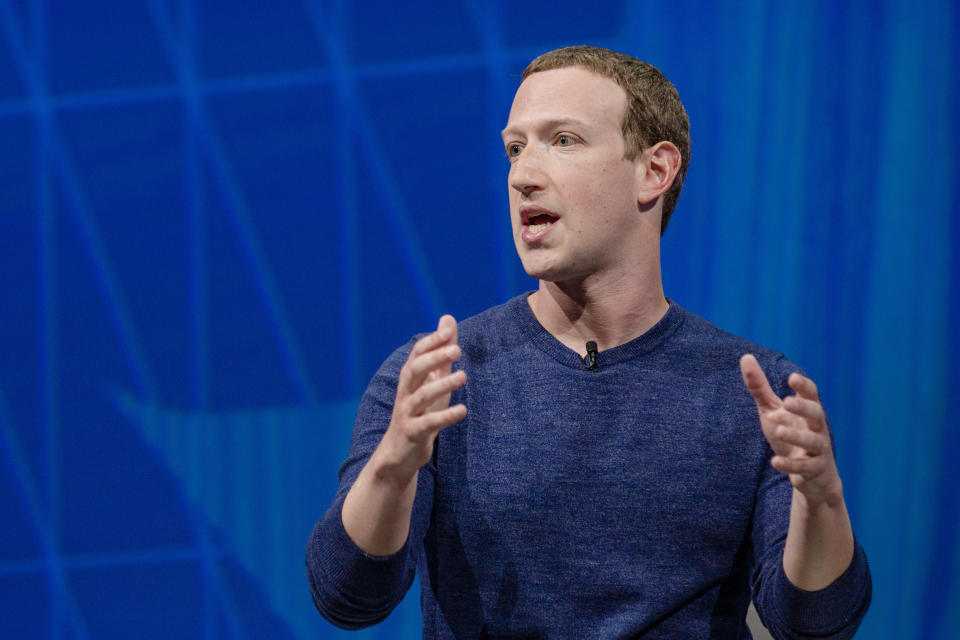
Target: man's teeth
x,y
537,228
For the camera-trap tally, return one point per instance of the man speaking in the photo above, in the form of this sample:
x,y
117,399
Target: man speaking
x,y
590,460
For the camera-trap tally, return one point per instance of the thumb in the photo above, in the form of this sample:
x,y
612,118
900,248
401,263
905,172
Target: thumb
x,y
757,384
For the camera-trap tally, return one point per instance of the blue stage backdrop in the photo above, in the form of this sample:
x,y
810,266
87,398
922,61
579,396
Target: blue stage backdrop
x,y
219,217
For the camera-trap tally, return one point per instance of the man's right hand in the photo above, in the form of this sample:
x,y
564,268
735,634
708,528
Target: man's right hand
x,y
376,511
422,407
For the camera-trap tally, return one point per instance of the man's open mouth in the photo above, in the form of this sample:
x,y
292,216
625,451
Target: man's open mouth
x,y
539,222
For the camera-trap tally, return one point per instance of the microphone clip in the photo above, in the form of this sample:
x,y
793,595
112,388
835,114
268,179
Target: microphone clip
x,y
590,360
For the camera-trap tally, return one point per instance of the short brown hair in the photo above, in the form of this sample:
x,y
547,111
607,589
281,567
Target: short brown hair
x,y
654,111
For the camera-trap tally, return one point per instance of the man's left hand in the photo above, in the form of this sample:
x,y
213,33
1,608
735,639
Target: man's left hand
x,y
796,428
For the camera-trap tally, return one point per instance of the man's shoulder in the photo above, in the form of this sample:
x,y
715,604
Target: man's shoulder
x,y
701,341
493,319
493,330
700,332
475,334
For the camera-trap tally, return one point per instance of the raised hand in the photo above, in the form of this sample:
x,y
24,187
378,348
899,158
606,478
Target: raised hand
x,y
796,428
422,408
376,511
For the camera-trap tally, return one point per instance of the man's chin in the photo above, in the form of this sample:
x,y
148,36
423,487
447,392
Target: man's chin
x,y
544,267
545,273
539,272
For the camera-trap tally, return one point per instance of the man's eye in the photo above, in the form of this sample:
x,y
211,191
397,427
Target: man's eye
x,y
514,150
564,140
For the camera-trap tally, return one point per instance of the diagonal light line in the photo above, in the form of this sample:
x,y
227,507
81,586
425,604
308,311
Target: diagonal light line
x,y
396,209
350,288
209,554
17,463
11,28
349,237
147,557
486,19
109,560
33,77
281,81
239,211
206,552
14,108
196,243
46,276
119,312
34,70
113,98
180,52
261,272
81,212
196,228
442,64
23,568
119,315
143,557
197,122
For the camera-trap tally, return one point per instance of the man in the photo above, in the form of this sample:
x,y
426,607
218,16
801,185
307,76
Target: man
x,y
588,461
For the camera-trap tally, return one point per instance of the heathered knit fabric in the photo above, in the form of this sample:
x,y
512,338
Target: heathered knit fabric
x,y
632,501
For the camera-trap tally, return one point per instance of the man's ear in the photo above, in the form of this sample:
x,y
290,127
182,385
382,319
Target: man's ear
x,y
657,168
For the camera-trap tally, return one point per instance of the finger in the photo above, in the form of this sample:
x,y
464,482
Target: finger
x,y
804,386
807,440
810,410
429,342
448,326
434,390
437,360
757,384
806,467
446,333
773,420
431,391
437,420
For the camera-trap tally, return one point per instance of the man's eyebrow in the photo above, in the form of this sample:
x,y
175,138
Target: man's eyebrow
x,y
552,123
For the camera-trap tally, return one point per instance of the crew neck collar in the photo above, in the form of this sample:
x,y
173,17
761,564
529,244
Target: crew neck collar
x,y
640,345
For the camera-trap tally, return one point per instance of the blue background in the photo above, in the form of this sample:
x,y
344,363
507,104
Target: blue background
x,y
219,217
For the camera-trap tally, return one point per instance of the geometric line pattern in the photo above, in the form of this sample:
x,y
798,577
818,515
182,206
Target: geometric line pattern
x,y
212,456
53,564
871,79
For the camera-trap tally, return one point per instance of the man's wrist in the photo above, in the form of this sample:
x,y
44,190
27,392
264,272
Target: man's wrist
x,y
829,496
821,501
387,473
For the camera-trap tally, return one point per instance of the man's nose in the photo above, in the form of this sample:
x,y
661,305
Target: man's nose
x,y
527,173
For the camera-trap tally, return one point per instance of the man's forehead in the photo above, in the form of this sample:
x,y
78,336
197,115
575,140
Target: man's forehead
x,y
567,94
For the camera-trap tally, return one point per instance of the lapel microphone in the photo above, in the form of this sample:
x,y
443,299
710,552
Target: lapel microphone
x,y
590,360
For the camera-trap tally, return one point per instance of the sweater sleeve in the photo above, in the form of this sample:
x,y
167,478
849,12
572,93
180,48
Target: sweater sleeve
x,y
351,588
790,613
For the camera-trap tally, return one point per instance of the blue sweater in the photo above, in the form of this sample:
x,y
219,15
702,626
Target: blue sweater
x,y
636,500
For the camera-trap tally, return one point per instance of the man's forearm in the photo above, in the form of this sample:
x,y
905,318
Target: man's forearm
x,y
376,512
819,545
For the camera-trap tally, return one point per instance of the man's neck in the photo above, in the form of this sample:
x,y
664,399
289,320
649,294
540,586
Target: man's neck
x,y
610,313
